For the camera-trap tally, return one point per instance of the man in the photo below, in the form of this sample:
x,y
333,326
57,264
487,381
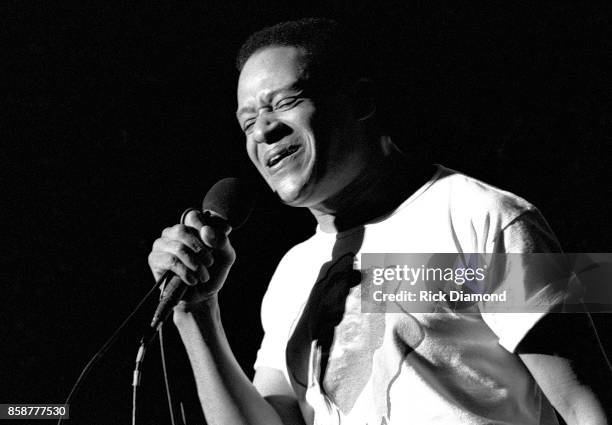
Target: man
x,y
310,131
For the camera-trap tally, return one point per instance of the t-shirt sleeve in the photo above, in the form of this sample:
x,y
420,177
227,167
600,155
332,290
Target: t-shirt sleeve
x,y
275,320
534,277
271,352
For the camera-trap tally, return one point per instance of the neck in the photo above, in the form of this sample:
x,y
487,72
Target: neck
x,y
380,188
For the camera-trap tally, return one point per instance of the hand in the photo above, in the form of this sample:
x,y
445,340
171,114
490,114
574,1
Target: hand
x,y
200,255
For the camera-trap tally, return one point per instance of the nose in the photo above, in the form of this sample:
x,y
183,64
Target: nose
x,y
267,129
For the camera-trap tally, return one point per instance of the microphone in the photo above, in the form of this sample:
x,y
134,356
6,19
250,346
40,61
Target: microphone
x,y
230,201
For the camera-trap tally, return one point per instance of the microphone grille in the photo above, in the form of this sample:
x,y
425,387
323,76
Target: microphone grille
x,y
232,199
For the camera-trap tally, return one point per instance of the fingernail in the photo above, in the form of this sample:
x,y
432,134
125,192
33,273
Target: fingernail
x,y
208,261
204,275
191,279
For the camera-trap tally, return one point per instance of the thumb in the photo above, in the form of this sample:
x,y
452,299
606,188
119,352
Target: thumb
x,y
216,237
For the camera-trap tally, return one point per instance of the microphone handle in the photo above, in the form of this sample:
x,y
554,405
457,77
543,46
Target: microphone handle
x,y
174,290
174,287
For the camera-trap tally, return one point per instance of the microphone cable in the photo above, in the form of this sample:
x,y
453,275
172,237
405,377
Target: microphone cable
x,y
144,342
105,347
166,378
148,337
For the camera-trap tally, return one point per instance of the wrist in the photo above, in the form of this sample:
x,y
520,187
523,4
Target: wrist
x,y
185,310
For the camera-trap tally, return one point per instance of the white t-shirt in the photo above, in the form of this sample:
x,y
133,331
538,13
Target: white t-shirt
x,y
418,368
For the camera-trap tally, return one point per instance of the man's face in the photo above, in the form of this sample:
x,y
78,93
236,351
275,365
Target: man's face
x,y
301,142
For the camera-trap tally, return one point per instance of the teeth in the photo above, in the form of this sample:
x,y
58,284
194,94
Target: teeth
x,y
275,159
282,154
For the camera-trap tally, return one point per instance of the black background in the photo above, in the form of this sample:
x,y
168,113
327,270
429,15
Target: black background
x,y
118,115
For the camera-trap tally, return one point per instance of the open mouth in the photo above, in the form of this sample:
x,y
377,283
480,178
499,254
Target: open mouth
x,y
282,154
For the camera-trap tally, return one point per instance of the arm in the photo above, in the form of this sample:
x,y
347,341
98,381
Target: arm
x,y
226,394
273,386
564,355
202,257
562,350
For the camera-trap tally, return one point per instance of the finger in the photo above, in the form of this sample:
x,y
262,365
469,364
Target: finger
x,y
179,250
206,257
215,237
203,274
195,219
160,260
186,235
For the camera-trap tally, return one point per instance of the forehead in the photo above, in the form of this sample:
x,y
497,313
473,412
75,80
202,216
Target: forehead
x,y
269,69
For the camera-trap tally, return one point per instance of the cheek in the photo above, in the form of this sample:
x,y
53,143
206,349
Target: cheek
x,y
304,119
251,149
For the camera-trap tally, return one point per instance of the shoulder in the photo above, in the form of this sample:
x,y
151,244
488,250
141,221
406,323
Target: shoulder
x,y
481,216
468,195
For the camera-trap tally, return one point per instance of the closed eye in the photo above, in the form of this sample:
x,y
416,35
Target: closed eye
x,y
248,124
286,103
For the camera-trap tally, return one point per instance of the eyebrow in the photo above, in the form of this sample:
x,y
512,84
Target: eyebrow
x,y
296,85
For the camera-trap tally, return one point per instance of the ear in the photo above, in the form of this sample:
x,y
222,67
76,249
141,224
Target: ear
x,y
363,96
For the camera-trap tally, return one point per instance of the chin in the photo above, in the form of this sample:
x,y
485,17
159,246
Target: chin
x,y
291,193
290,197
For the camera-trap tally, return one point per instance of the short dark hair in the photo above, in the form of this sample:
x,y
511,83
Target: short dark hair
x,y
328,52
